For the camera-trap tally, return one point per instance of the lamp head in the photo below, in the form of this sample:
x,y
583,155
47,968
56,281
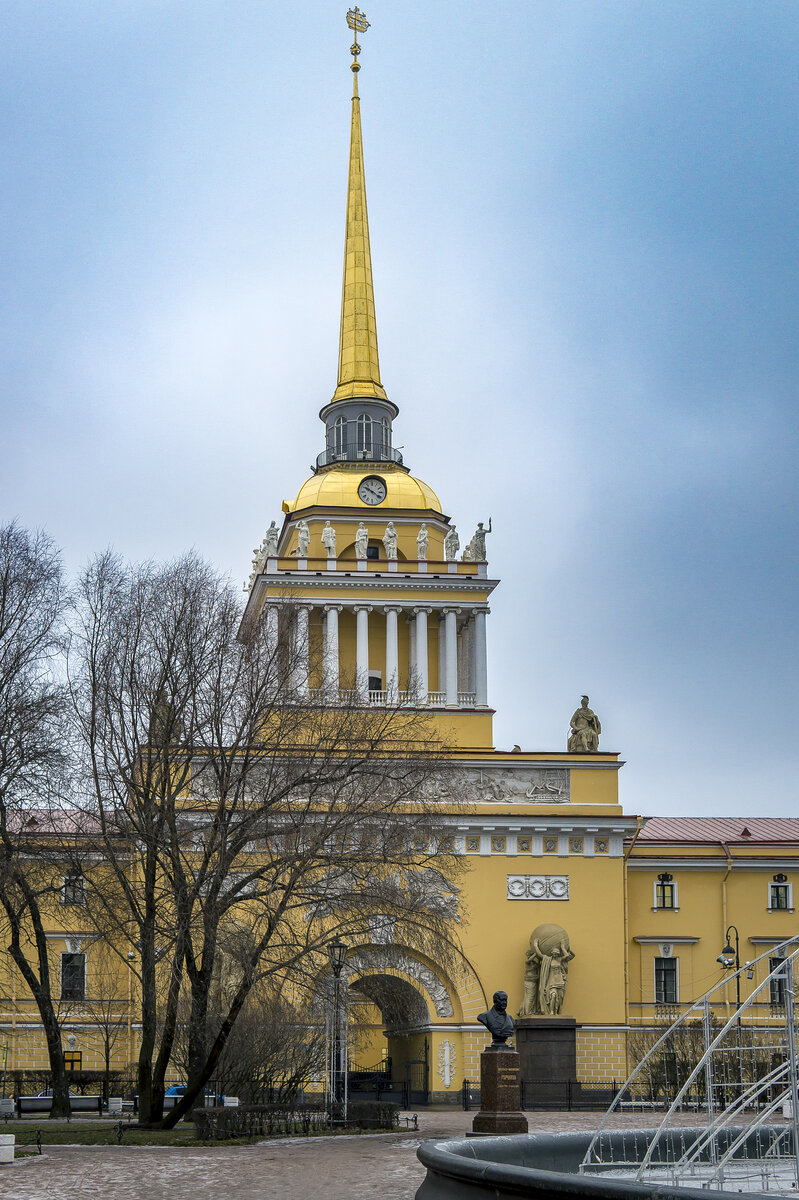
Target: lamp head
x,y
337,951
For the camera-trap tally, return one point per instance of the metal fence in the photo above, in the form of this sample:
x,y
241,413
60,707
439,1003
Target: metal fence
x,y
567,1095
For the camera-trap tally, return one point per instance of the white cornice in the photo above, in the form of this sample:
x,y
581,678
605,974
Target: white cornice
x,y
659,939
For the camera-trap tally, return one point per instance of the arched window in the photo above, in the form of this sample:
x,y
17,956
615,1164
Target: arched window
x,y
364,433
386,438
340,442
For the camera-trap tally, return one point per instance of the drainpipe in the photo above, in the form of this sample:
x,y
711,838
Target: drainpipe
x,y
726,850
639,826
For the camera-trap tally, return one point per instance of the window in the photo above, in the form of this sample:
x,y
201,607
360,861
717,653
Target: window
x,y
73,890
777,984
372,552
73,976
665,980
779,895
665,892
386,448
364,427
73,1060
340,436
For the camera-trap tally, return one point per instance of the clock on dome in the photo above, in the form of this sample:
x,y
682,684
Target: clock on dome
x,y
372,490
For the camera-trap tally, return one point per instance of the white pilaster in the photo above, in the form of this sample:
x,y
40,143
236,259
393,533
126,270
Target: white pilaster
x,y
451,657
442,660
392,656
362,651
330,658
480,659
422,683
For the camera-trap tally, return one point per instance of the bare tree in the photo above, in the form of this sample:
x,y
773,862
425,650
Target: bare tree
x,y
104,1002
31,764
232,814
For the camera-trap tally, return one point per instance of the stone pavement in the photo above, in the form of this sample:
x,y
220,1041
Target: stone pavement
x,y
371,1167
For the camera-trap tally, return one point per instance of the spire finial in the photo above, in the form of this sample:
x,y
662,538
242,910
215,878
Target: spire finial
x,y
358,364
357,21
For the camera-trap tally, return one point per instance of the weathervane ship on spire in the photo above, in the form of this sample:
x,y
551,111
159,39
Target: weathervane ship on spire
x,y
357,21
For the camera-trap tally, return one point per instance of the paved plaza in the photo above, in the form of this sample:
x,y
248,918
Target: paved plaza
x,y
355,1168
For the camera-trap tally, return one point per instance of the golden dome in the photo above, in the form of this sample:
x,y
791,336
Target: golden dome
x,y
338,488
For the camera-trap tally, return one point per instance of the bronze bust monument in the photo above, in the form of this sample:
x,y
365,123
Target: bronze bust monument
x,y
497,1021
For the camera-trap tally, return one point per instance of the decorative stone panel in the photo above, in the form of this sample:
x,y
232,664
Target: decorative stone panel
x,y
538,887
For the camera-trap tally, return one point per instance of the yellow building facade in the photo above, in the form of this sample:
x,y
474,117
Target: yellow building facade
x,y
389,608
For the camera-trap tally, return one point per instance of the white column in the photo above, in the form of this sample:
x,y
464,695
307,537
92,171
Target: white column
x,y
362,651
411,655
442,641
480,659
422,686
392,656
300,651
451,658
270,617
330,657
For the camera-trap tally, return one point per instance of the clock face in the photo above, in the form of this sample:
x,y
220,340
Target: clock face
x,y
372,490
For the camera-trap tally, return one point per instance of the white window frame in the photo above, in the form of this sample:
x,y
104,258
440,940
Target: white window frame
x,y
659,907
662,958
364,439
73,903
340,437
789,886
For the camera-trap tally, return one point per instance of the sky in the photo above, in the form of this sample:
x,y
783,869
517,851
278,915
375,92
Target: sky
x,y
584,220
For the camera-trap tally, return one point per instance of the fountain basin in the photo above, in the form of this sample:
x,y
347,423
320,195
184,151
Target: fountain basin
x,y
543,1165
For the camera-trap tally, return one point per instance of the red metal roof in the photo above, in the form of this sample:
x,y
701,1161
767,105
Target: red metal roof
x,y
741,830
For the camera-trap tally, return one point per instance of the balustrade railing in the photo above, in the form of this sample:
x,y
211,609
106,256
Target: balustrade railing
x,y
379,697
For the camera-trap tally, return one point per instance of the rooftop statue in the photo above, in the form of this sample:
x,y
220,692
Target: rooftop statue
x,y
390,540
422,541
361,540
546,973
476,550
585,730
329,539
452,544
269,544
303,539
497,1021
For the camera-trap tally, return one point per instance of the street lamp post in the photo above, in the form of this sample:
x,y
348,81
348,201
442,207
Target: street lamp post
x,y
730,961
337,951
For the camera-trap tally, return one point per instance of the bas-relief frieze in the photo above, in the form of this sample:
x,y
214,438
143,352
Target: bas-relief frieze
x,y
538,887
503,785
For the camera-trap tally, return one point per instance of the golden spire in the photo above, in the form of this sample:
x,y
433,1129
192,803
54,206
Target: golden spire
x,y
358,365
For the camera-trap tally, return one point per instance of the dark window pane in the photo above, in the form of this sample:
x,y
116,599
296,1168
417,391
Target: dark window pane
x,y
73,976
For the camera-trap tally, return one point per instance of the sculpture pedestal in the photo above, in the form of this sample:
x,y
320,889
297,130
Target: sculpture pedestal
x,y
500,1110
547,1049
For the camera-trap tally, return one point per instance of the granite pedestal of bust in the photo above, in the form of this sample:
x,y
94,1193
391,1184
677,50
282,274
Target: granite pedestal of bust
x,y
499,1076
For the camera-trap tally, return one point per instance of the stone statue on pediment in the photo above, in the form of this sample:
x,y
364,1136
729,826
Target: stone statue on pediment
x,y
476,550
361,540
422,541
452,544
390,540
269,544
584,730
303,539
329,539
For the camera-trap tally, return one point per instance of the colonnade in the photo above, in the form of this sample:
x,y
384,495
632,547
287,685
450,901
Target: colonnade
x,y
462,658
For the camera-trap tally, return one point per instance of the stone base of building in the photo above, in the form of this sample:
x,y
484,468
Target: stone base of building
x,y
547,1048
500,1096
